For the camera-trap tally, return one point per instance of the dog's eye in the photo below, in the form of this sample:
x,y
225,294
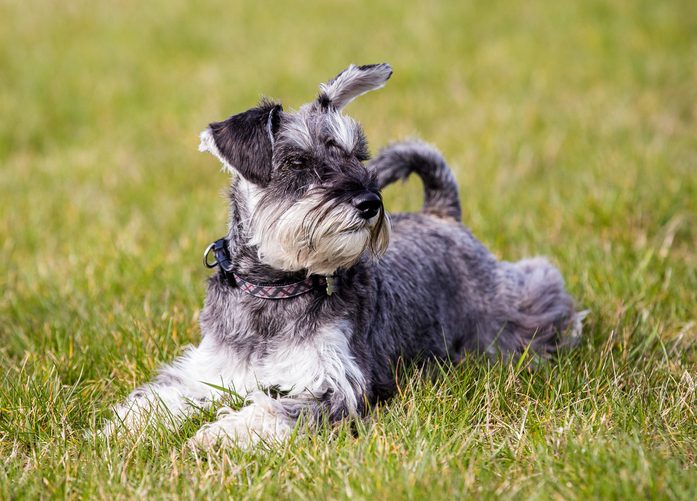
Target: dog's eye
x,y
295,163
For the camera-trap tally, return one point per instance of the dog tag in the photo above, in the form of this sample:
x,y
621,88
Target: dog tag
x,y
331,286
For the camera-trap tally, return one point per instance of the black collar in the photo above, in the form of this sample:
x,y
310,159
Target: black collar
x,y
320,283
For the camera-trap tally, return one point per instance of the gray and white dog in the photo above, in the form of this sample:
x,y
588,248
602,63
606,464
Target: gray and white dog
x,y
319,294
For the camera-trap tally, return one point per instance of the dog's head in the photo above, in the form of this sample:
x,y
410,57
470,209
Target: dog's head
x,y
306,200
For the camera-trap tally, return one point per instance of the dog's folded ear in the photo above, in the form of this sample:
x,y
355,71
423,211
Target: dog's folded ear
x,y
244,142
351,83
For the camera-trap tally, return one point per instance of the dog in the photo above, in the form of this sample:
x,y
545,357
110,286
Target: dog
x,y
319,293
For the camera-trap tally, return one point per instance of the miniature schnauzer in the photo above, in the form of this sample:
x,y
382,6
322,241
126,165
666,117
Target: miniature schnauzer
x,y
318,294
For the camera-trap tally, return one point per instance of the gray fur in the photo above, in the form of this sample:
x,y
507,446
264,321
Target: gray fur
x,y
354,81
434,293
399,160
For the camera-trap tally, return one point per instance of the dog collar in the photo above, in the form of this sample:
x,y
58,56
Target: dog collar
x,y
219,248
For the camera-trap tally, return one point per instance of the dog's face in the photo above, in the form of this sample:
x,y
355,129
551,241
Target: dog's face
x,y
305,197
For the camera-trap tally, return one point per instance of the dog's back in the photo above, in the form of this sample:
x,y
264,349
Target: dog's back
x,y
450,291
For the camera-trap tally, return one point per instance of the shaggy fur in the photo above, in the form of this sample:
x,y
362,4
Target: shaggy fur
x,y
414,286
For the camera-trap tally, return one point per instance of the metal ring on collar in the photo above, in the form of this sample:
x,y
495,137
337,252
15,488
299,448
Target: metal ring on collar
x,y
205,257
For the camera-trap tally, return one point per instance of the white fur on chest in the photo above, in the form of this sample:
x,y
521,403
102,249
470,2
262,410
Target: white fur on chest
x,y
311,367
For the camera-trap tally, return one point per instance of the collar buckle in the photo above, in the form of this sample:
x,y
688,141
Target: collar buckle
x,y
222,256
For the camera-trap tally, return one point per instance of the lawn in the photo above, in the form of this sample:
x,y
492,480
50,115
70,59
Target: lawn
x,y
572,130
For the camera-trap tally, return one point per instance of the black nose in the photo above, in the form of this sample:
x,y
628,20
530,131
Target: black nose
x,y
368,204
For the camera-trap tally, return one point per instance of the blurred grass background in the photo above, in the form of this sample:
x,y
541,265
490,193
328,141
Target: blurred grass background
x,y
572,129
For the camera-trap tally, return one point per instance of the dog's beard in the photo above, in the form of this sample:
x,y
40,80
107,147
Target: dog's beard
x,y
315,234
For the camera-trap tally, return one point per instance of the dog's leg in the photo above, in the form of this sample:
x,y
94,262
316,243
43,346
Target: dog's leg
x,y
338,392
191,382
265,420
531,308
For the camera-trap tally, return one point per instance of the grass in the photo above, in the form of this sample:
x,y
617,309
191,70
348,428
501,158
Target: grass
x,y
572,128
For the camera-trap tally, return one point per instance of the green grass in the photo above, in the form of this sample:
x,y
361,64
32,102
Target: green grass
x,y
572,128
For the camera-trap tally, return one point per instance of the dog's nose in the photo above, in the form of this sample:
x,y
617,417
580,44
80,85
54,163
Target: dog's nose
x,y
367,203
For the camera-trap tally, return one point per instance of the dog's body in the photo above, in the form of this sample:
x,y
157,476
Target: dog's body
x,y
304,204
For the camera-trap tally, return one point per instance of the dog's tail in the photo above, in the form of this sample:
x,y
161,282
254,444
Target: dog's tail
x,y
398,160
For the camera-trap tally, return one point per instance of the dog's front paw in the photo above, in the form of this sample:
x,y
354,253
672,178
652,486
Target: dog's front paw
x,y
253,425
109,430
132,415
221,434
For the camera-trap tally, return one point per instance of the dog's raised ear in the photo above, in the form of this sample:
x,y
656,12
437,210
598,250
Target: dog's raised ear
x,y
351,83
244,142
